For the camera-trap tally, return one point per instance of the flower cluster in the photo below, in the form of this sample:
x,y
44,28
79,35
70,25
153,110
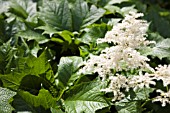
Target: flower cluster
x,y
130,33
127,38
117,83
140,81
163,73
164,97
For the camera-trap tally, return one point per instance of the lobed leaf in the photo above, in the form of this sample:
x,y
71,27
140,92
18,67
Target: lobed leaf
x,y
67,70
56,14
44,98
31,35
5,98
85,97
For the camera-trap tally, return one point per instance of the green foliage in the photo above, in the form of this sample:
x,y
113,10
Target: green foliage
x,y
128,107
87,100
31,35
44,98
5,98
73,19
162,49
43,44
67,70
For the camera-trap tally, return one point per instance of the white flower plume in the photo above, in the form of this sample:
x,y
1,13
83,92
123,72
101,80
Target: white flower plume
x,y
127,37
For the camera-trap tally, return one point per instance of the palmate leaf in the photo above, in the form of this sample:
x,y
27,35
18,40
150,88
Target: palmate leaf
x,y
83,15
44,98
67,70
92,33
5,98
39,65
56,14
26,66
59,16
56,110
23,8
128,107
85,98
12,80
21,106
31,35
162,49
158,23
4,5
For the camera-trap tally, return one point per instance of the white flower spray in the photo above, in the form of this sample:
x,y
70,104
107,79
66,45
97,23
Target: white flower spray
x,y
127,37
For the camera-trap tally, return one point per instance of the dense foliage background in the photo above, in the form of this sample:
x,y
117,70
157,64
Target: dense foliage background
x,y
43,44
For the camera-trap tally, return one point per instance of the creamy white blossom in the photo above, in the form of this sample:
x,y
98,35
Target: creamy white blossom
x,y
130,33
116,83
127,36
141,81
163,73
164,97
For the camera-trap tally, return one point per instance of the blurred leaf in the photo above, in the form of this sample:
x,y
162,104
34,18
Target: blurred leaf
x,y
117,1
39,65
158,23
25,66
47,30
92,33
23,8
53,110
31,35
83,16
4,5
162,49
5,98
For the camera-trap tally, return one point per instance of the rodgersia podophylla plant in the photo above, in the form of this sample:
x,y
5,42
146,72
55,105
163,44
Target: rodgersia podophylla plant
x,y
127,38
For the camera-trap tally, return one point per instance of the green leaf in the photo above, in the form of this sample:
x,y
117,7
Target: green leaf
x,y
21,106
93,33
31,35
25,66
5,98
117,1
85,98
125,106
12,80
158,22
53,110
143,94
67,70
57,40
39,65
44,98
56,14
4,5
83,16
47,30
23,8
18,10
162,49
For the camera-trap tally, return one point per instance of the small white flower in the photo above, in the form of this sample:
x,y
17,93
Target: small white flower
x,y
141,81
163,73
164,97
